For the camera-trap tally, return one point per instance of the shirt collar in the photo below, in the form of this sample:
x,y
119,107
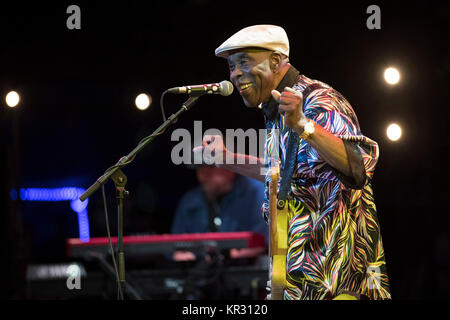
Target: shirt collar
x,y
270,108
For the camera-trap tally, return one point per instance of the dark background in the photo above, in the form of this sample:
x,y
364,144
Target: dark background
x,y
77,115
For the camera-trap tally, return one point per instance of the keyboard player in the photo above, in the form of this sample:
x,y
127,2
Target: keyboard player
x,y
222,202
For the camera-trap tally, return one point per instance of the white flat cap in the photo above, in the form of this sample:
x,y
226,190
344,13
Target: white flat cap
x,y
262,36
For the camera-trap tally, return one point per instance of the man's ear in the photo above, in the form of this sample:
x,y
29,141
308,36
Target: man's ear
x,y
275,61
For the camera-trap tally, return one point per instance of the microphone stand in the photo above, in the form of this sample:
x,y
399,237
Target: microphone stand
x,y
120,180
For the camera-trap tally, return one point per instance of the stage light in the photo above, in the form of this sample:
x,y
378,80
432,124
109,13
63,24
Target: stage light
x,y
394,132
143,101
391,75
60,194
83,226
78,206
50,194
12,99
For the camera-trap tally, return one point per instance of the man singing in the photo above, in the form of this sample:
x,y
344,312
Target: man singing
x,y
334,243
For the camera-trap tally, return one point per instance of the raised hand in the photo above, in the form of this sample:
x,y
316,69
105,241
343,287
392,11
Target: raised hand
x,y
291,108
212,150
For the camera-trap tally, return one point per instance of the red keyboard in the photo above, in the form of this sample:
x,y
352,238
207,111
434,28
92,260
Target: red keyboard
x,y
166,243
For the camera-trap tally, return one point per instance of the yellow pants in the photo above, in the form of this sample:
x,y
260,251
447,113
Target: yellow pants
x,y
345,296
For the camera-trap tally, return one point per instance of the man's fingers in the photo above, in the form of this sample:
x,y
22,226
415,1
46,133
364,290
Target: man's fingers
x,y
197,149
288,95
207,140
276,95
296,93
289,89
288,100
287,107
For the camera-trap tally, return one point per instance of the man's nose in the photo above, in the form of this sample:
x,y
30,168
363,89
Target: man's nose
x,y
235,74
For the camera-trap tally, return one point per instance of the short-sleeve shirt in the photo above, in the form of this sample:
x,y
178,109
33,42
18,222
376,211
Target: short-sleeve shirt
x,y
334,240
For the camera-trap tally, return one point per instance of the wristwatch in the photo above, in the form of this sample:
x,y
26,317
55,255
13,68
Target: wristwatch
x,y
308,130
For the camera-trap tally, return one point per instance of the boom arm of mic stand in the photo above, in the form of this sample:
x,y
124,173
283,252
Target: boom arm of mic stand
x,y
123,161
119,179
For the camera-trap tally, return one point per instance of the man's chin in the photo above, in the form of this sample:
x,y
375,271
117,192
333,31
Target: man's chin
x,y
249,104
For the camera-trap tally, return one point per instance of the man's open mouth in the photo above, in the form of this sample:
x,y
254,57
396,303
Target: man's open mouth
x,y
245,86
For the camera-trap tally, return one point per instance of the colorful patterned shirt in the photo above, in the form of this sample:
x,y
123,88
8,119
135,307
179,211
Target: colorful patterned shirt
x,y
334,240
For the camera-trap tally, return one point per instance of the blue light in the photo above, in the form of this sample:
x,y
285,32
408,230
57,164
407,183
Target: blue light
x,y
71,194
47,194
83,225
77,205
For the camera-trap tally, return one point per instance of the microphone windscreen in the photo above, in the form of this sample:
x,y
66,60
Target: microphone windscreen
x,y
226,88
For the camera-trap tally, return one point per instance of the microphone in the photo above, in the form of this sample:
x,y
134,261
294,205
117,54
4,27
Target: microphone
x,y
224,88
